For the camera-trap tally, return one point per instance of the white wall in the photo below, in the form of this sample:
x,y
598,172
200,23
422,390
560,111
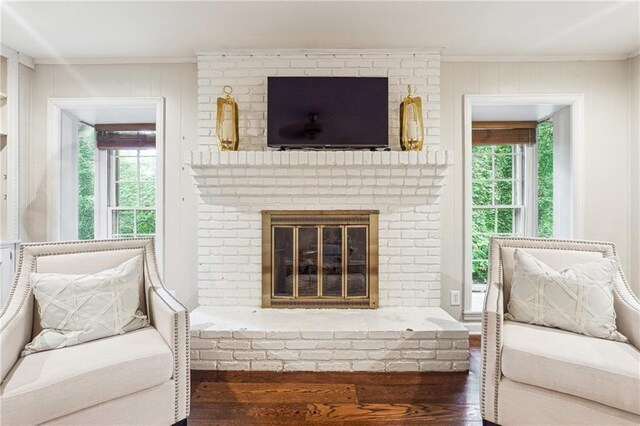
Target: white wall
x,y
177,83
605,85
26,78
633,271
69,176
562,203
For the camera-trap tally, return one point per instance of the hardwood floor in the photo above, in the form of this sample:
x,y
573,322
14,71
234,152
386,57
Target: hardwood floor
x,y
244,398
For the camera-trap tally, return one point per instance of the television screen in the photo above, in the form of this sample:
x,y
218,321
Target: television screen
x,y
328,112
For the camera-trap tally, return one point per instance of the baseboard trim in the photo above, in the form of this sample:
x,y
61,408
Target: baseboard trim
x,y
474,327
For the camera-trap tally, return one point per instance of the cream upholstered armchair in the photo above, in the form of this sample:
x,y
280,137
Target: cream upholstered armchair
x,y
538,375
140,377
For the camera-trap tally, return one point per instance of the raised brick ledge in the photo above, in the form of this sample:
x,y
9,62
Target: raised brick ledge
x,y
385,159
386,339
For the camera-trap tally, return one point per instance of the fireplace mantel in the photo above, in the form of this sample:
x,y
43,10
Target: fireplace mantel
x,y
319,173
386,159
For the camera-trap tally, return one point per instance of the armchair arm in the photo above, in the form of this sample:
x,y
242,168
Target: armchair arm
x,y
627,309
16,317
171,319
491,349
15,329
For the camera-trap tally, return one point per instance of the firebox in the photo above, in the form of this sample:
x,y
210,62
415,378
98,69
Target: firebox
x,y
320,259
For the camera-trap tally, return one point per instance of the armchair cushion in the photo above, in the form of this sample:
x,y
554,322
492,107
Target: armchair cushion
x,y
578,298
46,385
77,308
595,369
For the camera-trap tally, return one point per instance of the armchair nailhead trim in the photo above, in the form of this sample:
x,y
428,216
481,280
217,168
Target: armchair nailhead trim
x,y
176,345
176,371
483,376
188,361
498,371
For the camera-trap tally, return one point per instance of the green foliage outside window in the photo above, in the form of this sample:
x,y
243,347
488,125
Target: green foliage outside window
x,y
86,178
146,222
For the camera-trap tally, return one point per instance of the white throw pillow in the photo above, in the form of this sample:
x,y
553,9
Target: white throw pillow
x,y
78,308
578,298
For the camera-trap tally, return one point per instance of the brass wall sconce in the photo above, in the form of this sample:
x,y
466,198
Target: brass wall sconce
x,y
227,121
411,125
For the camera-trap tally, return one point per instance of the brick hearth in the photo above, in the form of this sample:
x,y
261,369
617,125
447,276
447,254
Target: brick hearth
x,y
386,339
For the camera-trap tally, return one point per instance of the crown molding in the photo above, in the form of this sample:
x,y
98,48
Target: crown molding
x,y
26,60
566,58
6,51
114,61
30,62
338,51
23,59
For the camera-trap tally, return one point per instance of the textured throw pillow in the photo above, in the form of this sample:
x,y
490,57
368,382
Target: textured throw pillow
x,y
578,298
79,308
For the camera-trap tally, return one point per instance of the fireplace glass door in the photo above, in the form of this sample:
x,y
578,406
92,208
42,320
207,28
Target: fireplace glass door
x,y
320,259
332,261
308,261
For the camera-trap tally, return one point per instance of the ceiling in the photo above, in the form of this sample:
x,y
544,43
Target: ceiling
x,y
179,29
537,112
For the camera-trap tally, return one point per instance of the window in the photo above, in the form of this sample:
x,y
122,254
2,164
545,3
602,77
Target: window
x,y
132,193
498,200
511,191
116,181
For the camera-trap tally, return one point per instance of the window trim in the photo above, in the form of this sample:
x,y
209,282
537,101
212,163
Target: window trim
x,y
576,104
101,188
55,109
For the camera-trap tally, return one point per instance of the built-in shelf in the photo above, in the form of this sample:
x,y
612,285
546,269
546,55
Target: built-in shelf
x,y
8,150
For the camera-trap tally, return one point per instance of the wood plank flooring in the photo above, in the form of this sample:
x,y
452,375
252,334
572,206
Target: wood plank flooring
x,y
297,398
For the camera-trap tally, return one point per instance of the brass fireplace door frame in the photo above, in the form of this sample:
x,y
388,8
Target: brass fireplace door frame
x,y
319,218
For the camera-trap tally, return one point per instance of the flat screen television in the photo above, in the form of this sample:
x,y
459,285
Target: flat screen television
x,y
328,112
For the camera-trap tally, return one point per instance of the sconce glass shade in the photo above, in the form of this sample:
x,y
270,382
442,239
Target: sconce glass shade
x,y
411,125
227,122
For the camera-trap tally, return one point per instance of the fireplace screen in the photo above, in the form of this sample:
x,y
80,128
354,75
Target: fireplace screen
x,y
320,259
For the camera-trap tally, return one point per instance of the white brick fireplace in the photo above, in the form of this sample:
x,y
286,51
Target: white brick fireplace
x,y
236,186
409,331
